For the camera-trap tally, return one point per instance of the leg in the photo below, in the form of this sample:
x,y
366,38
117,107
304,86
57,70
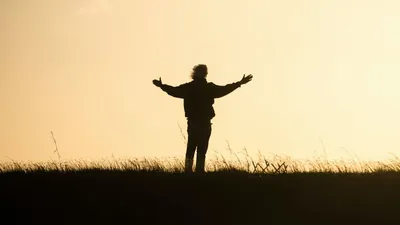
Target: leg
x,y
204,137
190,149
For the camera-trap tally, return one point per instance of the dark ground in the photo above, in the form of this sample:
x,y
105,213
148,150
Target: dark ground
x,y
107,197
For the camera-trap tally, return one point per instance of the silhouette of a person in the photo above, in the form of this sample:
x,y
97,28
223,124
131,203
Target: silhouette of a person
x,y
198,96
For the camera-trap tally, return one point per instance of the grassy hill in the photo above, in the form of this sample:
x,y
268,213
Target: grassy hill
x,y
58,194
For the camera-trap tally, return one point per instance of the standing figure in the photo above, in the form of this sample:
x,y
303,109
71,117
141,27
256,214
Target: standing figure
x,y
198,97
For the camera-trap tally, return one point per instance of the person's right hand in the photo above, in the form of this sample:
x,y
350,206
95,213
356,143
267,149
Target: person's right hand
x,y
158,83
246,79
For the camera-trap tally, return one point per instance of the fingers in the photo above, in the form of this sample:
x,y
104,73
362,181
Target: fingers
x,y
248,78
157,83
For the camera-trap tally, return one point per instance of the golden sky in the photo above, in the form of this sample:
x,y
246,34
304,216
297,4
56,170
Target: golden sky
x,y
324,71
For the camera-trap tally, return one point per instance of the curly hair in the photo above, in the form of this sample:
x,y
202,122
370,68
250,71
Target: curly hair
x,y
199,71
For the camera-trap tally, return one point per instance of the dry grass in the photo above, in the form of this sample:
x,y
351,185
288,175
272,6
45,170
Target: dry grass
x,y
227,163
230,162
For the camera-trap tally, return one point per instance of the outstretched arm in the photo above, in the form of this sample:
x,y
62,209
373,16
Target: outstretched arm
x,y
177,92
220,91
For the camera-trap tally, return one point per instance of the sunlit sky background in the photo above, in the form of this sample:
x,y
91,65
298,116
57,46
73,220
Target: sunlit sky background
x,y
326,75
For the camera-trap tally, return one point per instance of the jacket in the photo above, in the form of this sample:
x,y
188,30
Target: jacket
x,y
198,97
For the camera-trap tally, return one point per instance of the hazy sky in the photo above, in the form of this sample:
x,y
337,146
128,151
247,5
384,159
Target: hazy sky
x,y
324,71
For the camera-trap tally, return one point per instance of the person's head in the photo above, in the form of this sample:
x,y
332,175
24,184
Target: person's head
x,y
199,72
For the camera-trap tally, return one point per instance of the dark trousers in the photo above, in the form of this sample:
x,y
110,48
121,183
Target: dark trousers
x,y
199,132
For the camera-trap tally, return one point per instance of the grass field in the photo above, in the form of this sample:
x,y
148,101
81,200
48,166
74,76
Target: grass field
x,y
277,190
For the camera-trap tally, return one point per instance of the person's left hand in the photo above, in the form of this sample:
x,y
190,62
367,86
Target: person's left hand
x,y
158,83
246,79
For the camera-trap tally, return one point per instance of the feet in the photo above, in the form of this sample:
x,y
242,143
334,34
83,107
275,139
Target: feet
x,y
188,165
